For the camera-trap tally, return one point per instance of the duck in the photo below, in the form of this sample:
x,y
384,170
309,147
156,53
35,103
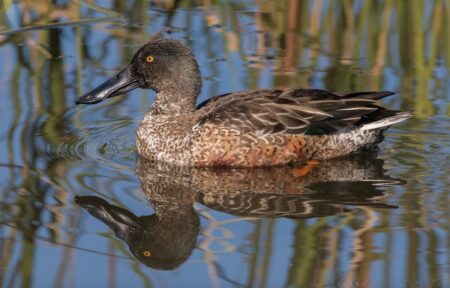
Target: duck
x,y
254,128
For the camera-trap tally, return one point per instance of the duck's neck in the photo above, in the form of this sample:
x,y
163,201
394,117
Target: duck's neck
x,y
173,103
178,96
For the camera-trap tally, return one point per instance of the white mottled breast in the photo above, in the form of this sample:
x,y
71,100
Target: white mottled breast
x,y
164,138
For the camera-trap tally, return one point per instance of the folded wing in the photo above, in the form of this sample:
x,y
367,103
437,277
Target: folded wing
x,y
295,111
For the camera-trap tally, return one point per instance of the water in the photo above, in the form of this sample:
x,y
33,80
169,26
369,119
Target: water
x,y
79,209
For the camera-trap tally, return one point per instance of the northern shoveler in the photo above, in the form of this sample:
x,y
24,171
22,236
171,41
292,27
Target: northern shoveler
x,y
245,129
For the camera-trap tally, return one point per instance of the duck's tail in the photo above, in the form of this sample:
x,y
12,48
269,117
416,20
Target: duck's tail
x,y
389,118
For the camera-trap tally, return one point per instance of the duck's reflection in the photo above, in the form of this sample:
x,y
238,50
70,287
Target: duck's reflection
x,y
165,239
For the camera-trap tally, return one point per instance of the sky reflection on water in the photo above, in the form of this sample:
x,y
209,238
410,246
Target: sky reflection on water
x,y
383,217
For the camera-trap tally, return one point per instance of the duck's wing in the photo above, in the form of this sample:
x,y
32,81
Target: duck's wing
x,y
293,111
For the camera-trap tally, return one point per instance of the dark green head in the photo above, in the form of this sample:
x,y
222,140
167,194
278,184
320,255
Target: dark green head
x,y
163,65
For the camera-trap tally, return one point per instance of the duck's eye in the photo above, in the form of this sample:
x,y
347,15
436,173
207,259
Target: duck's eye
x,y
149,59
146,253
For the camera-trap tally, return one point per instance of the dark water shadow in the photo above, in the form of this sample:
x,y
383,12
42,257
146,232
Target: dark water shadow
x,y
165,239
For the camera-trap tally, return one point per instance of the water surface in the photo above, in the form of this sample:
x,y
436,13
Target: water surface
x,y
79,208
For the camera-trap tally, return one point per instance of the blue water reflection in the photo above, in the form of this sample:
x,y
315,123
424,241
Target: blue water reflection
x,y
395,233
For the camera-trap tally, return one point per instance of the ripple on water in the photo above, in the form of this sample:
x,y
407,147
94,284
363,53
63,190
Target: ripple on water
x,y
111,144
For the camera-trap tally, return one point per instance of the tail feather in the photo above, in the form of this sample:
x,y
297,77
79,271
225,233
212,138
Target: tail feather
x,y
393,118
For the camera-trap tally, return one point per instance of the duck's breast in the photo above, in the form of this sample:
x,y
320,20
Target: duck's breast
x,y
164,138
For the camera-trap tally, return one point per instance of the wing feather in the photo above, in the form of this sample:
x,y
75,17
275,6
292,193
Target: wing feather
x,y
292,111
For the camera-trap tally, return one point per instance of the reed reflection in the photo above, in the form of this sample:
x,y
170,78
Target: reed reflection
x,y
53,52
165,239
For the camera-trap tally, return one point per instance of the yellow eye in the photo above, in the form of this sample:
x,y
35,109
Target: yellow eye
x,y
149,59
146,253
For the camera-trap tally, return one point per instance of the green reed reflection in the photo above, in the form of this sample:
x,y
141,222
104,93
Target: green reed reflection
x,y
51,53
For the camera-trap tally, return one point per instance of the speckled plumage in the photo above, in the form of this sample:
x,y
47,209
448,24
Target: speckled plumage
x,y
245,129
258,128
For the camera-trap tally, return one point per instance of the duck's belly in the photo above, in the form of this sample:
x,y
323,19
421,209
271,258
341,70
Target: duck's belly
x,y
210,145
216,146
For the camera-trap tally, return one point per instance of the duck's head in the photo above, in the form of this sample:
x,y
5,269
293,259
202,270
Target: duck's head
x,y
163,65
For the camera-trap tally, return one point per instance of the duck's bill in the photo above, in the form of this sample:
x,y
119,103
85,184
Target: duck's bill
x,y
119,219
117,85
